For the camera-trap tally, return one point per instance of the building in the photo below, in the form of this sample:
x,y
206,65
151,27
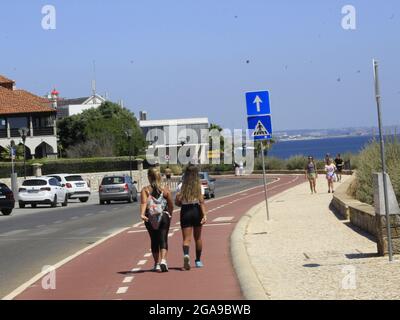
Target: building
x,y
22,109
70,107
167,134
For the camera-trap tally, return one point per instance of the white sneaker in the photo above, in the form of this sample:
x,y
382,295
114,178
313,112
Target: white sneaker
x,y
164,266
157,268
186,262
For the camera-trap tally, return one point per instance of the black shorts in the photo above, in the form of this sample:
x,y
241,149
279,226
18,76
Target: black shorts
x,y
191,215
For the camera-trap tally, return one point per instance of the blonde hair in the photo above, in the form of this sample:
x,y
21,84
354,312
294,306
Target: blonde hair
x,y
191,188
154,177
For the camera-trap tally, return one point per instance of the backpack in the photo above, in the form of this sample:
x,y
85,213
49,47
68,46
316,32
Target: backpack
x,y
156,207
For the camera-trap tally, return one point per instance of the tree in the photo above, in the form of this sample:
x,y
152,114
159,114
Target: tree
x,y
101,127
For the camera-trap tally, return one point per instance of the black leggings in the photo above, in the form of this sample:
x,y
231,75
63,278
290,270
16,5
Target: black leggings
x,y
159,238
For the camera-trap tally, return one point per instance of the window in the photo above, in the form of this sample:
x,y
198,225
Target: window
x,y
57,177
34,183
43,122
54,182
18,122
74,178
3,124
113,180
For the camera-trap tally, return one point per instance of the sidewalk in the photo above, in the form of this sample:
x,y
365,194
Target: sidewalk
x,y
306,252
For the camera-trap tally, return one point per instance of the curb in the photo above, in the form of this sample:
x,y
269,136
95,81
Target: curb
x,y
251,287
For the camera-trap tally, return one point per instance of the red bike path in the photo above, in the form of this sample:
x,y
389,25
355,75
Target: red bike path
x,y
120,267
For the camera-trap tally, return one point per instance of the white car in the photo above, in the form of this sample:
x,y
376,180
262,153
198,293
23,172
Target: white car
x,y
43,190
76,187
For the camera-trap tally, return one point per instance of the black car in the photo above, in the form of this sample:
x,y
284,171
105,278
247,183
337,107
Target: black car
x,y
7,200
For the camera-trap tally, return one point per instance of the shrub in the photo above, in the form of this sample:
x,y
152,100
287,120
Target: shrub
x,y
296,163
369,161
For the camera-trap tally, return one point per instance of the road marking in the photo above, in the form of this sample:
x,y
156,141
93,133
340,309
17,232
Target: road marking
x,y
39,276
148,255
45,232
136,231
136,269
142,262
74,218
40,226
122,290
11,233
216,224
89,214
137,224
58,221
223,219
128,279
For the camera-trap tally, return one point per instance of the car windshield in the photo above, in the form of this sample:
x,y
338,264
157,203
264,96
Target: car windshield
x,y
56,177
113,180
3,187
34,182
203,176
74,178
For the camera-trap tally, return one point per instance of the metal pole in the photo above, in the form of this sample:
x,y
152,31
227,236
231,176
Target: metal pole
x,y
265,180
382,145
130,156
24,159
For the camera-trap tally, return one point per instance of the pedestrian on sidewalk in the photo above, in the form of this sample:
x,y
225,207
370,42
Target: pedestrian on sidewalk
x,y
312,174
156,211
330,169
339,163
193,214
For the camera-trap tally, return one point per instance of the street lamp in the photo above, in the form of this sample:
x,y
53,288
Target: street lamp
x,y
23,132
129,133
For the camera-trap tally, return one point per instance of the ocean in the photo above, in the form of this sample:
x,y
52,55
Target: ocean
x,y
318,148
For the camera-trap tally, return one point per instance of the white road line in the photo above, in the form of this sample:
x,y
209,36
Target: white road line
x,y
74,218
45,232
223,219
89,214
178,223
128,279
137,224
82,231
217,224
40,226
39,276
142,262
136,231
122,290
11,233
148,255
136,269
58,221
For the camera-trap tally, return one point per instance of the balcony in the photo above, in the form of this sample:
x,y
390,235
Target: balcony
x,y
46,131
3,133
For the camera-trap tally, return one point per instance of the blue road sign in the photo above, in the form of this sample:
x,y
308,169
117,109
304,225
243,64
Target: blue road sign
x,y
258,103
260,127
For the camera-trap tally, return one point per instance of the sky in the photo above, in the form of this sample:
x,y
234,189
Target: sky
x,y
186,58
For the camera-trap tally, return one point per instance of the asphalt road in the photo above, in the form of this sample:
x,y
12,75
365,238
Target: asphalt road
x,y
33,238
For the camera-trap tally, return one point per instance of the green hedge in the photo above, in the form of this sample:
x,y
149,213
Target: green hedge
x,y
71,166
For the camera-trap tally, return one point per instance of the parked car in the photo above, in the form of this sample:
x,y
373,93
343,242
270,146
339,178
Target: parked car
x,y
208,184
76,186
117,188
7,201
43,190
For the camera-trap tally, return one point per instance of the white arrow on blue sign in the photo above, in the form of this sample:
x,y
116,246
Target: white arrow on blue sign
x,y
258,103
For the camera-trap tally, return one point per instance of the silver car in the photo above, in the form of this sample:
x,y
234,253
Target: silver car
x,y
117,188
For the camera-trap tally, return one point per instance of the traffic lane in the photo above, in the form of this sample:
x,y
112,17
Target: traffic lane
x,y
24,252
46,238
101,272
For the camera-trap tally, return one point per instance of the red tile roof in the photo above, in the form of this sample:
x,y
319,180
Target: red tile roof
x,y
5,80
21,101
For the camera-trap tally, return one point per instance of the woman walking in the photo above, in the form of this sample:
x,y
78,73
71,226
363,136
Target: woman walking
x,y
312,174
156,211
193,214
330,169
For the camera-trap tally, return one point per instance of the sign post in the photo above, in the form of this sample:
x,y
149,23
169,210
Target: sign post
x,y
382,146
260,126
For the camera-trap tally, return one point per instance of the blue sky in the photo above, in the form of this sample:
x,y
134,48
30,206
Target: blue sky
x,y
186,58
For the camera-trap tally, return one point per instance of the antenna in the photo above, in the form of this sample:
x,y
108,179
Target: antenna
x,y
94,82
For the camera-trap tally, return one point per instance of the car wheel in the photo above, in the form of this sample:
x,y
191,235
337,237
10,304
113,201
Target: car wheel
x,y
101,202
213,195
33,205
21,204
6,212
108,201
84,199
136,198
54,203
65,203
130,199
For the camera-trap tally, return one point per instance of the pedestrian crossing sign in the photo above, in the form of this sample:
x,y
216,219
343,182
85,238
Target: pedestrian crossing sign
x,y
260,127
